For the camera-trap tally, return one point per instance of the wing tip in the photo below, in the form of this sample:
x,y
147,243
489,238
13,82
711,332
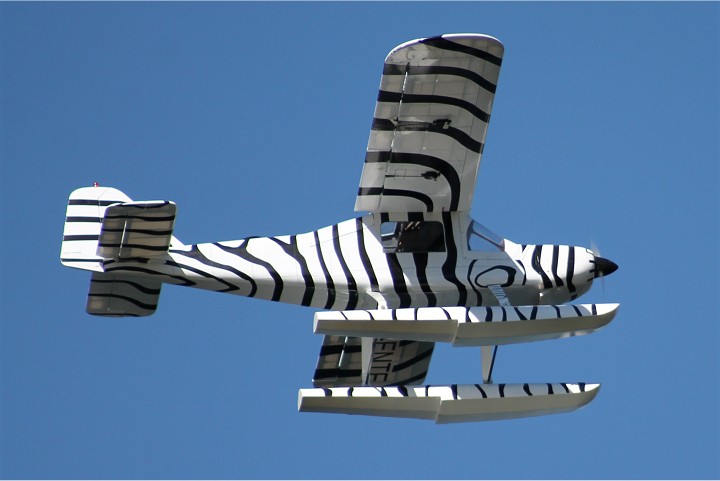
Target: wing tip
x,y
481,41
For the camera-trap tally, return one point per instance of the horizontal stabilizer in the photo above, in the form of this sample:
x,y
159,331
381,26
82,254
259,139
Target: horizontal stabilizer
x,y
450,404
118,295
137,230
469,326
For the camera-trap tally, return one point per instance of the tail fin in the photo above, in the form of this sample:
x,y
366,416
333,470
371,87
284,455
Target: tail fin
x,y
83,223
104,226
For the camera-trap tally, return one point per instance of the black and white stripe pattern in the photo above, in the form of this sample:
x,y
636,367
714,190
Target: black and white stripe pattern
x,y
450,403
340,267
83,221
565,272
429,125
136,230
344,267
456,391
392,362
471,314
468,326
113,295
422,159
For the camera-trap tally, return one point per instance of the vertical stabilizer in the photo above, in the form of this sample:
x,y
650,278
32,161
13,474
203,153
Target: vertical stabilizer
x,y
83,223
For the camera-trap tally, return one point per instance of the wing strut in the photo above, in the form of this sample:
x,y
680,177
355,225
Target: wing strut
x,y
366,347
488,353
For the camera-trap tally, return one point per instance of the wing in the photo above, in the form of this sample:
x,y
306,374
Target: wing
x,y
429,125
392,362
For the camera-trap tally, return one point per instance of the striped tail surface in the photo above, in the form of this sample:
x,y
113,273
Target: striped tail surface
x,y
83,223
102,224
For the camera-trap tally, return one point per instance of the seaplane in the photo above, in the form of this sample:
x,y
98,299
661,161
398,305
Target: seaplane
x,y
412,270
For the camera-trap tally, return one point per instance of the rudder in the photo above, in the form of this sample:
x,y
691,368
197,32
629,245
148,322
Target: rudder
x,y
83,223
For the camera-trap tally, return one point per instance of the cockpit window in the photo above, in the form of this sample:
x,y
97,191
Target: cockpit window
x,y
413,236
480,238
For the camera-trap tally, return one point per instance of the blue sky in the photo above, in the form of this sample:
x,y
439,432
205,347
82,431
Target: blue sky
x,y
253,118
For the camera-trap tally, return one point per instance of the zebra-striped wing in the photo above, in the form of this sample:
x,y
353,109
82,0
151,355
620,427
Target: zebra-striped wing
x,y
429,125
391,363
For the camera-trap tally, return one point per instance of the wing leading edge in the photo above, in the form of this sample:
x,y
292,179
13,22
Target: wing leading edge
x,y
430,123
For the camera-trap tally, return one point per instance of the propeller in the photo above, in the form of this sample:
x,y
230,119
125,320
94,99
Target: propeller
x,y
603,266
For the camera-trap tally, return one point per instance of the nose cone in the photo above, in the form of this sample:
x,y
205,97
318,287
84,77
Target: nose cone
x,y
604,267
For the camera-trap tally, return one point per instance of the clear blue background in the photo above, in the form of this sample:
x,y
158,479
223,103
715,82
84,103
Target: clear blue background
x,y
254,118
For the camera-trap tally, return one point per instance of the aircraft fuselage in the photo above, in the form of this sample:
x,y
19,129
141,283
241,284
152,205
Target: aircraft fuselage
x,y
381,260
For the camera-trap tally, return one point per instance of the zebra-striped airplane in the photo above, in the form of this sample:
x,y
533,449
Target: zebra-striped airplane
x,y
414,270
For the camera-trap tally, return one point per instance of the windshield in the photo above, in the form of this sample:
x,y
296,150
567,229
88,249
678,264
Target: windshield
x,y
480,238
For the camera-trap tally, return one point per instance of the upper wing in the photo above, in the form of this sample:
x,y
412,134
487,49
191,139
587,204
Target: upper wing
x,y
429,126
